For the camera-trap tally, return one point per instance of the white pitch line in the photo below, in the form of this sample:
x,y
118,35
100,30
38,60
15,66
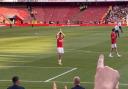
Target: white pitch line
x,y
70,50
14,61
5,80
84,51
14,55
72,82
60,75
31,67
27,81
122,84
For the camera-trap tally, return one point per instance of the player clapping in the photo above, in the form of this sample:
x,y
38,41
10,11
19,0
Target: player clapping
x,y
60,49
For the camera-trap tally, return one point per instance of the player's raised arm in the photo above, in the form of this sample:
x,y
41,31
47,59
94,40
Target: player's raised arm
x,y
62,33
57,35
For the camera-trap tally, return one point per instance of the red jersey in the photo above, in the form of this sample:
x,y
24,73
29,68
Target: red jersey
x,y
113,37
60,42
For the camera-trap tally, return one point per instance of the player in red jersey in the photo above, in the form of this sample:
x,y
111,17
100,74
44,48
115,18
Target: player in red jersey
x,y
113,43
60,50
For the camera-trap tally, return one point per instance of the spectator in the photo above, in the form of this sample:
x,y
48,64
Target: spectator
x,y
77,83
16,82
116,13
106,77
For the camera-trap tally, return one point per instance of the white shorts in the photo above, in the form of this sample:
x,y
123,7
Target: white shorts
x,y
113,46
60,50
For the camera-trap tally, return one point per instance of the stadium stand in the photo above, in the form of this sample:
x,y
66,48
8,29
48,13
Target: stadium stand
x,y
55,14
91,15
3,20
12,12
63,13
117,12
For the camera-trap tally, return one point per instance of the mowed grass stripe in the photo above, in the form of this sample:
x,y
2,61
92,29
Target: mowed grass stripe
x,y
81,39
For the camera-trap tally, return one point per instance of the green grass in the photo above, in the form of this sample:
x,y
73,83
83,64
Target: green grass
x,y
36,47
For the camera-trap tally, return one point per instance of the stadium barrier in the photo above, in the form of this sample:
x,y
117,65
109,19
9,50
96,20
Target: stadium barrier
x,y
23,25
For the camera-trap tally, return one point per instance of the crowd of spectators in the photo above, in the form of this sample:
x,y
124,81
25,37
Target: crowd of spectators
x,y
117,13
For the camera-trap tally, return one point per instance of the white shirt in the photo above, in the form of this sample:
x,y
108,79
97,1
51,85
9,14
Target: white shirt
x,y
116,27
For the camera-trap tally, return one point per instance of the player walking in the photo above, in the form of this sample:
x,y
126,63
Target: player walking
x,y
118,29
113,45
120,26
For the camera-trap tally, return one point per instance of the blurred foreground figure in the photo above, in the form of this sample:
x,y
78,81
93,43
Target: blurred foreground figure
x,y
54,85
77,85
16,83
106,77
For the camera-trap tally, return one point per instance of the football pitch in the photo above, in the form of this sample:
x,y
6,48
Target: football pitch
x,y
30,53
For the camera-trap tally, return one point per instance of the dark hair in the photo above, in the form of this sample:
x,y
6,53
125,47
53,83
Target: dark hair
x,y
113,29
60,33
15,79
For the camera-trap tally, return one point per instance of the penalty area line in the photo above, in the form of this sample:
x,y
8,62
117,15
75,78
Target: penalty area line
x,y
48,80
